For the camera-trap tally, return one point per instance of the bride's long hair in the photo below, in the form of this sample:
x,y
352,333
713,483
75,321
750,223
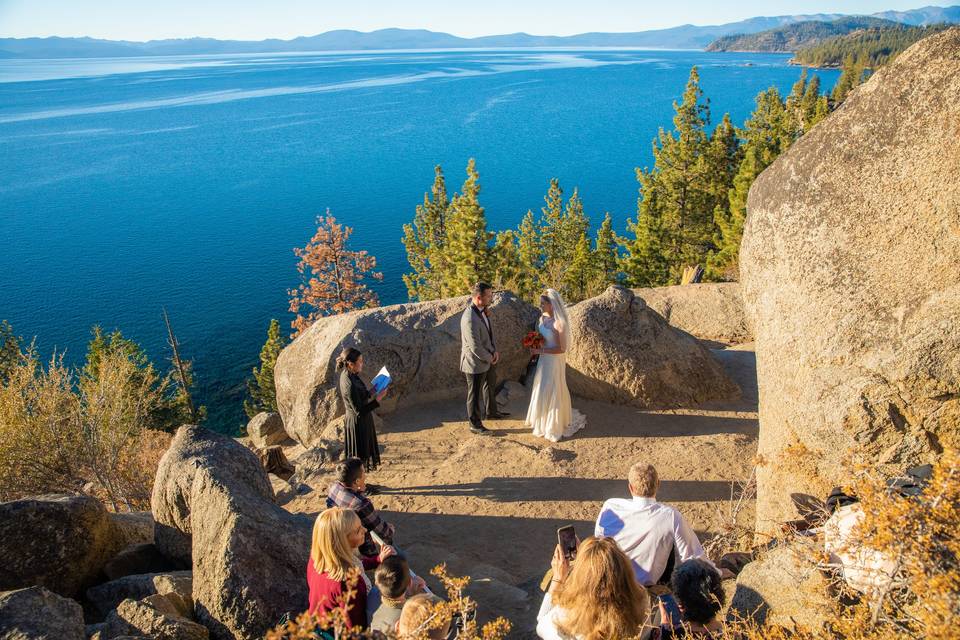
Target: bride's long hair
x,y
560,317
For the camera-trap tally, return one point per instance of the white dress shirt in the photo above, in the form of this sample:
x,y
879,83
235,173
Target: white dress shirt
x,y
647,531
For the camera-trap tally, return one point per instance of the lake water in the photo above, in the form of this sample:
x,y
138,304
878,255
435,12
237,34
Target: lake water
x,y
128,185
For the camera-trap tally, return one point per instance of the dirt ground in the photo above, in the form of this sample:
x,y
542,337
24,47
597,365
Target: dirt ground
x,y
490,506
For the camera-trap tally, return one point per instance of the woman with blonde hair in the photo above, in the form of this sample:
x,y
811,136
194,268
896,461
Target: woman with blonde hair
x,y
597,598
337,533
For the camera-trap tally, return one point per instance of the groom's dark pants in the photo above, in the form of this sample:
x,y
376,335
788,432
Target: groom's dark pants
x,y
481,392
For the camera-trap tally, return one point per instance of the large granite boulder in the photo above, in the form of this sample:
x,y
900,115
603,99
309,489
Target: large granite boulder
x,y
35,613
624,352
106,597
157,617
849,267
418,342
194,448
249,558
57,541
710,311
784,587
133,527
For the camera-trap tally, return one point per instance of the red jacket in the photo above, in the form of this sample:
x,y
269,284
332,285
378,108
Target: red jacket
x,y
325,592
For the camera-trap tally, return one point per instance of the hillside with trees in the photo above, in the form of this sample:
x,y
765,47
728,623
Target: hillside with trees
x,y
792,37
872,48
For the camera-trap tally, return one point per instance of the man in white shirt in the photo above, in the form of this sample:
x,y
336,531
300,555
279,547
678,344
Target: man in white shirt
x,y
646,530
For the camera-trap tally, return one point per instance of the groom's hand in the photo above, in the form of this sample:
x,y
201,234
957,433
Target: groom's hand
x,y
496,357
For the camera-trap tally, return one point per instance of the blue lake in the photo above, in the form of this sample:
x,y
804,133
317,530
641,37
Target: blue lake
x,y
128,185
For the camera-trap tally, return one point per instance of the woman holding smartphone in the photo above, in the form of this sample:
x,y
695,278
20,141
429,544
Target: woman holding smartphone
x,y
359,432
596,597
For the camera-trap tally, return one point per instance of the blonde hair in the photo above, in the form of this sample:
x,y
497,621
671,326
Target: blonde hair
x,y
330,551
600,598
644,479
417,612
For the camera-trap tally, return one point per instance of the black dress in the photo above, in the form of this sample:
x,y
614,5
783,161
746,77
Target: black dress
x,y
359,433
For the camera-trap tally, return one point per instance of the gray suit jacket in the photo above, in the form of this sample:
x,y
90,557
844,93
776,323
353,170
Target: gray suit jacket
x,y
476,343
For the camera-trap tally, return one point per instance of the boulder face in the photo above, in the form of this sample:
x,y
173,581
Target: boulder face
x,y
709,311
193,448
623,352
38,614
849,276
419,343
249,558
785,588
266,429
57,541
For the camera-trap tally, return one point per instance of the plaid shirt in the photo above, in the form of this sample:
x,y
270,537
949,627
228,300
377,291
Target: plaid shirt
x,y
346,498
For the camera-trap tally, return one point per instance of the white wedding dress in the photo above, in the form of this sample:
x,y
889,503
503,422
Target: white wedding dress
x,y
550,413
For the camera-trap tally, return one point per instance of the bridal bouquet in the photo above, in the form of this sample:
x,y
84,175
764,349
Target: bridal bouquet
x,y
533,340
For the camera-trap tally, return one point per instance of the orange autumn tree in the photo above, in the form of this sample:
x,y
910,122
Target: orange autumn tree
x,y
333,276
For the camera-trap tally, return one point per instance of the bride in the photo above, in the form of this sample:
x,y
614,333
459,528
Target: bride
x,y
551,414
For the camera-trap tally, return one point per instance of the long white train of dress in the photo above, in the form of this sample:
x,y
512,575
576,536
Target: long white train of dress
x,y
551,413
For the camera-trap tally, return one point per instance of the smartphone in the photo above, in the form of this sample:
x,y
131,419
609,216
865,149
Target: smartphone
x,y
567,538
671,609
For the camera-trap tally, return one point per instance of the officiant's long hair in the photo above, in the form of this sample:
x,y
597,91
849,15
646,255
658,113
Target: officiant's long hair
x,y
601,598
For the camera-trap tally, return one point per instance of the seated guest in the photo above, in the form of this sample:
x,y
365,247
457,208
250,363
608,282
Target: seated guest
x,y
647,530
597,598
348,491
418,616
337,534
396,584
700,597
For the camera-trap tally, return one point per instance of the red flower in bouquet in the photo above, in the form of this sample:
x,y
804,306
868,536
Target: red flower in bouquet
x,y
533,340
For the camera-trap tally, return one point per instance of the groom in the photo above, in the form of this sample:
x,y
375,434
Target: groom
x,y
478,358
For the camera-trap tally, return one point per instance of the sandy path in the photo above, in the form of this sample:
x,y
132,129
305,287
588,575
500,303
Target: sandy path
x,y
490,506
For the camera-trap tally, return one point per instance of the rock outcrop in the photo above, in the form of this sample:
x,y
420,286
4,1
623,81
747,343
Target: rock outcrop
x,y
266,429
106,597
849,270
249,557
709,311
57,541
418,342
38,614
191,449
155,616
625,353
784,587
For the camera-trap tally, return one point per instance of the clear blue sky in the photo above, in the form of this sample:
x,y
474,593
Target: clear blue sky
x,y
258,19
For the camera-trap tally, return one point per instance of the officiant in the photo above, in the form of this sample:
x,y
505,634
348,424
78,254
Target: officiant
x,y
359,432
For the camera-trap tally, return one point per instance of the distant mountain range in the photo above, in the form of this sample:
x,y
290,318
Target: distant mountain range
x,y
795,36
686,36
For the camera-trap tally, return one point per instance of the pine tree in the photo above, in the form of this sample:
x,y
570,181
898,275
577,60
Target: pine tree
x,y
561,228
469,243
172,409
506,258
262,388
722,161
333,275
530,256
768,132
9,350
851,76
813,106
425,241
580,273
644,262
674,226
551,234
606,258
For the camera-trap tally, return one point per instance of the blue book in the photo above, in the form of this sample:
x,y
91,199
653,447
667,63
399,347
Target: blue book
x,y
380,382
